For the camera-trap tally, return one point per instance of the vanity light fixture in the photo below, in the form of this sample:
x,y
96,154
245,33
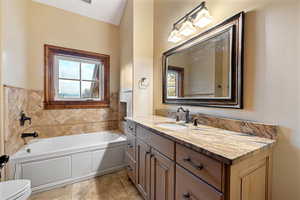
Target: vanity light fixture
x,y
203,18
175,36
186,26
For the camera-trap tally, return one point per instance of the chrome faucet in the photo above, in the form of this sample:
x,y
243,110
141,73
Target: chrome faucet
x,y
187,114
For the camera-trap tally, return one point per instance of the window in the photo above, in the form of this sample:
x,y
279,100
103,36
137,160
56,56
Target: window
x,y
175,82
75,79
172,83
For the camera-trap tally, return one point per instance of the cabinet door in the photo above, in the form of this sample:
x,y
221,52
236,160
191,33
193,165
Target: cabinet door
x,y
143,168
162,177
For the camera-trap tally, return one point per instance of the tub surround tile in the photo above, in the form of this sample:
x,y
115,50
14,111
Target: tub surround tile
x,y
52,123
227,146
108,187
249,127
72,129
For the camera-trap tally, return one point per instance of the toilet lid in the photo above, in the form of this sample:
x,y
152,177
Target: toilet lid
x,y
11,189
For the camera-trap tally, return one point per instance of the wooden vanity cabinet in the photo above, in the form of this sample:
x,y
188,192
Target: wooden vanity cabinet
x,y
143,153
162,177
154,170
162,169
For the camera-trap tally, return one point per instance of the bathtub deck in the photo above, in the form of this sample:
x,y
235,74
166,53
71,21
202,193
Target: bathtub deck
x,y
114,186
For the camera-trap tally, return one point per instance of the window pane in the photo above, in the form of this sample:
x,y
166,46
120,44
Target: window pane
x,y
89,71
68,89
171,79
171,92
90,89
69,69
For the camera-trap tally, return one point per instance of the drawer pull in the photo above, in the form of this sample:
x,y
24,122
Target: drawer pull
x,y
130,146
147,152
197,166
130,128
186,195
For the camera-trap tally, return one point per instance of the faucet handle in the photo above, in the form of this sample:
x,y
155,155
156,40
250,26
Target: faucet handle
x,y
195,122
24,118
3,160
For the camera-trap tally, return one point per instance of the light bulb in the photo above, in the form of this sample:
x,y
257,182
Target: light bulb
x,y
174,36
187,28
203,18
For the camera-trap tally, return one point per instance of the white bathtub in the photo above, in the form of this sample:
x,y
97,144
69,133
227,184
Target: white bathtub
x,y
54,162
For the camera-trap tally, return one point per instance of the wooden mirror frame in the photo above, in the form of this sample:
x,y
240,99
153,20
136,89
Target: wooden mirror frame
x,y
236,24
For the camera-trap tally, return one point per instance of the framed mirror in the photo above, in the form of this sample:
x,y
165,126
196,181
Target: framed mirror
x,y
207,70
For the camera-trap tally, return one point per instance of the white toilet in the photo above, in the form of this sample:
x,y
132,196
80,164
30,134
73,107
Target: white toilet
x,y
15,190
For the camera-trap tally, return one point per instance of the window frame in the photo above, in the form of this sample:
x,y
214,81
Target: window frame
x,y
50,102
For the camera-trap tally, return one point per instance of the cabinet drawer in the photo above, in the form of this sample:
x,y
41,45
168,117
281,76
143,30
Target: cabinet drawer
x,y
190,187
206,168
130,147
163,145
130,127
130,168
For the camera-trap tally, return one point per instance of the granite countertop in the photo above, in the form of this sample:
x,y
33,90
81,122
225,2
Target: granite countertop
x,y
227,146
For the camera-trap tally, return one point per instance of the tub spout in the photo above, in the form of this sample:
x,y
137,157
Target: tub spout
x,y
25,135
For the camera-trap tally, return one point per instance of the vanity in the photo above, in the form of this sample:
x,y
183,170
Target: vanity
x,y
170,160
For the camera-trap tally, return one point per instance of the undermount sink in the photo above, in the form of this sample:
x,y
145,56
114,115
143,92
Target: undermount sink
x,y
172,126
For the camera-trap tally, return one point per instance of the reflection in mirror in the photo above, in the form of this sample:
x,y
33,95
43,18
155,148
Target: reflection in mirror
x,y
201,71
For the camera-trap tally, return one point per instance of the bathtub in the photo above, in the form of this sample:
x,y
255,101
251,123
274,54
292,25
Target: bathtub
x,y
54,162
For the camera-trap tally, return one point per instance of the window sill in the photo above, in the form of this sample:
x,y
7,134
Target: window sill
x,y
56,105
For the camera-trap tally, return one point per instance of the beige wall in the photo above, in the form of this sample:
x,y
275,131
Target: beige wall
x,y
1,85
126,48
143,56
272,75
136,33
49,25
15,42
13,50
26,26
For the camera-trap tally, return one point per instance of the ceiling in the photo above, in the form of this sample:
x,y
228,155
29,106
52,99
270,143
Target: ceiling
x,y
109,11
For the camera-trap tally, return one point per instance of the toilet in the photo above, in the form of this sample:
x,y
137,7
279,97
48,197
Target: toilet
x,y
15,190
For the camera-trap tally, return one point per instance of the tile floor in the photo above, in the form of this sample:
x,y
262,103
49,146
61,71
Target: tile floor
x,y
114,186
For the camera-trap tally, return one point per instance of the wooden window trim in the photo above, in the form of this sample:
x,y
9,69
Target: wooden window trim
x,y
49,91
180,71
